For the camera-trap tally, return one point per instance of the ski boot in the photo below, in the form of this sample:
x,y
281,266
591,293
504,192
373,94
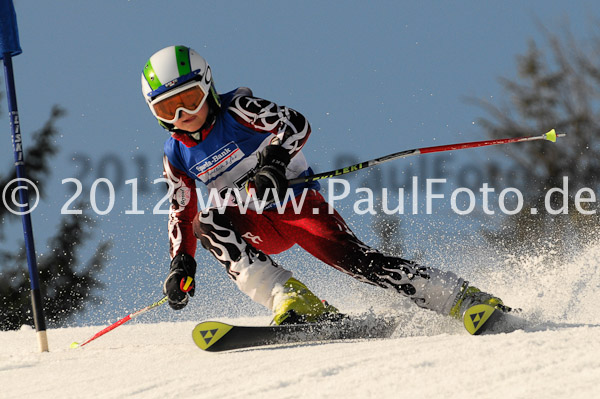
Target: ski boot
x,y
293,303
470,296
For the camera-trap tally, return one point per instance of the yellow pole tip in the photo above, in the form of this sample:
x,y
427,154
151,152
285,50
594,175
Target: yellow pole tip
x,y
75,345
551,136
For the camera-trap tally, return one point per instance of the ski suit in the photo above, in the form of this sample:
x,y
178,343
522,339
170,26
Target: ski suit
x,y
242,239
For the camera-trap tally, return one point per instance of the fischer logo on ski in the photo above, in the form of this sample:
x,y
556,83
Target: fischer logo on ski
x,y
482,318
208,333
476,318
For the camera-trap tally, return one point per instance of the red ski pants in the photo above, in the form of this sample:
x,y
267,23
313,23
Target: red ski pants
x,y
322,232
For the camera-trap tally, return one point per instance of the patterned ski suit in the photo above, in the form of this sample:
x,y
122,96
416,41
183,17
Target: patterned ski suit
x,y
242,241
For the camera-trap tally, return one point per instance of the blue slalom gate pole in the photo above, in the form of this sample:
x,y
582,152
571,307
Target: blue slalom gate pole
x,y
9,47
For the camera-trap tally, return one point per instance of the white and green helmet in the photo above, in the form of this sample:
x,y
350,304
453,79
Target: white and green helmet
x,y
173,67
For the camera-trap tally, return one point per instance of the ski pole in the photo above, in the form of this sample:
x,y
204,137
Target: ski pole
x,y
550,136
9,48
118,323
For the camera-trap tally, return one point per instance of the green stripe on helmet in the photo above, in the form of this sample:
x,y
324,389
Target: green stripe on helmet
x,y
213,91
151,77
182,54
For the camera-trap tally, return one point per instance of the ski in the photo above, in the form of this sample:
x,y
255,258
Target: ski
x,y
215,336
485,319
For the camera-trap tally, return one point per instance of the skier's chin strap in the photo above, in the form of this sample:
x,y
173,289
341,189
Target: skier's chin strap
x,y
191,139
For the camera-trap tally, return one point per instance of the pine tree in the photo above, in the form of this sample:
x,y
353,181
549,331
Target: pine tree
x,y
559,91
66,287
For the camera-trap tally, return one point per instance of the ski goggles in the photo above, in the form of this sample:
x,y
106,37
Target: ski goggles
x,y
189,98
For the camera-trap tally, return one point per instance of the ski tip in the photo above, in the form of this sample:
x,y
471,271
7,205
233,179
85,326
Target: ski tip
x,y
208,333
476,317
75,345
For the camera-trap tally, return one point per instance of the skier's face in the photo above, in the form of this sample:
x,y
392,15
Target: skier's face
x,y
192,122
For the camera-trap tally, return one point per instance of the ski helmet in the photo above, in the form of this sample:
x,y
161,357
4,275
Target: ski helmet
x,y
171,71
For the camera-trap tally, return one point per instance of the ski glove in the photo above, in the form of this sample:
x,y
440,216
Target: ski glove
x,y
180,281
269,181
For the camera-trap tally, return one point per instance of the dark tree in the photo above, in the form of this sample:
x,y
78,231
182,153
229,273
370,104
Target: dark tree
x,y
66,285
556,88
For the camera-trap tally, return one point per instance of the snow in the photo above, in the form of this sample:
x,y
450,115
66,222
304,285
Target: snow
x,y
160,360
429,356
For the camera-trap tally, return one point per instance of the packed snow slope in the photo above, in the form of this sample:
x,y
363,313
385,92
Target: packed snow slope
x,y
161,361
429,356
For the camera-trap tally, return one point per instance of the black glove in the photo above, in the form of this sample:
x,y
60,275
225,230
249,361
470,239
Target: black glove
x,y
180,281
272,163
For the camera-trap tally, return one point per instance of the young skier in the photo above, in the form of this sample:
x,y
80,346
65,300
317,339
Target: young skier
x,y
235,141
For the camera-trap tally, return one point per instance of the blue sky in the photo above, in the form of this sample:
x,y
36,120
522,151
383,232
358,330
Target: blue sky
x,y
372,78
